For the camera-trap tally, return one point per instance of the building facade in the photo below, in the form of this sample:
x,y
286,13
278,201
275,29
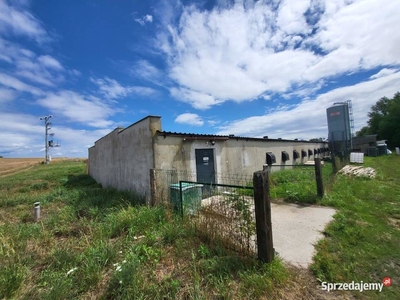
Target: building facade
x,y
123,158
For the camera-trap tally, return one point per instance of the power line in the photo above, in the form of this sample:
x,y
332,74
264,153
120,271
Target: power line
x,y
48,144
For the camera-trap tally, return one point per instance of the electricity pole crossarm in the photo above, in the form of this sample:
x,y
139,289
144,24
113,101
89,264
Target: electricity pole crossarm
x,y
48,143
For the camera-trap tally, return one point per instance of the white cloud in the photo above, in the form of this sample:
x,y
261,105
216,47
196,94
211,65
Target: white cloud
x,y
12,82
384,72
196,99
19,21
75,73
23,136
75,142
7,95
145,70
50,62
44,69
142,91
145,19
290,18
189,119
9,51
19,134
86,110
241,51
112,89
308,119
212,122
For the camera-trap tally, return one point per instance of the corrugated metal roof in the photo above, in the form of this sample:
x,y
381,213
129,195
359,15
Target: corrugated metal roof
x,y
170,133
224,137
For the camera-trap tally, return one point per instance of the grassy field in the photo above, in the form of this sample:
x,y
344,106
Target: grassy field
x,y
94,243
298,184
12,165
363,242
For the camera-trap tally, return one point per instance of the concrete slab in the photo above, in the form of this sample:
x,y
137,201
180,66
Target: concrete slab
x,y
296,229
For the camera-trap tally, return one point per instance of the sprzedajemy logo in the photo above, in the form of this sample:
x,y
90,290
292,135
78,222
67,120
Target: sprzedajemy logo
x,y
356,286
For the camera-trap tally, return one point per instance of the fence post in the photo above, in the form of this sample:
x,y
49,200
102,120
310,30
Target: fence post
x,y
318,177
181,198
262,205
334,166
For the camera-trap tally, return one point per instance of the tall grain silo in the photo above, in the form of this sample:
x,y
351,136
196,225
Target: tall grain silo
x,y
339,127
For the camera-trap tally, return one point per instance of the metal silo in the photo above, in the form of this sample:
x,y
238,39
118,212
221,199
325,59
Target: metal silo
x,y
339,127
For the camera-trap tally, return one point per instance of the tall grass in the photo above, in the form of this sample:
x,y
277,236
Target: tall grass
x,y
103,244
295,184
363,242
94,242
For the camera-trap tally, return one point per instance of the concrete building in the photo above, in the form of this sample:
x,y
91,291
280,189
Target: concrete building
x,y
123,158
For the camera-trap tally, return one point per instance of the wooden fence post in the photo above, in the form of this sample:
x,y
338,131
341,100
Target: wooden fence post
x,y
262,205
318,177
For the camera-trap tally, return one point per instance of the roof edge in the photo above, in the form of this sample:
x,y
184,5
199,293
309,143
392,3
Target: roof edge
x,y
142,119
193,136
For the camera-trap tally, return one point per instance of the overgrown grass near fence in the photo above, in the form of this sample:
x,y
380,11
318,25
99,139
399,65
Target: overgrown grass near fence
x,y
363,242
103,244
100,243
298,184
295,184
227,218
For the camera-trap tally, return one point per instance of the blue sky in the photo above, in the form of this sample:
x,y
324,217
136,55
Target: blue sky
x,y
249,68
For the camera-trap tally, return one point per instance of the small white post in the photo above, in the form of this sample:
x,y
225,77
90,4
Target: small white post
x,y
37,211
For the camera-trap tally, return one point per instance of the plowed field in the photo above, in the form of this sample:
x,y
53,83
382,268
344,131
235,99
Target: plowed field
x,y
13,165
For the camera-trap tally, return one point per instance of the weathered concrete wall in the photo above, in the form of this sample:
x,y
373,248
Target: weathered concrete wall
x,y
123,158
103,159
231,156
250,156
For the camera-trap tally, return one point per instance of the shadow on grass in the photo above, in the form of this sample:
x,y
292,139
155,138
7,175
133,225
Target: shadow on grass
x,y
89,196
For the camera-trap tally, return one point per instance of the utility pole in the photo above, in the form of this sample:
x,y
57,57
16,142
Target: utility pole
x,y
48,143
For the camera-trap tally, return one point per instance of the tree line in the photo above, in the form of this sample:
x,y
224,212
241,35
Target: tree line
x,y
384,120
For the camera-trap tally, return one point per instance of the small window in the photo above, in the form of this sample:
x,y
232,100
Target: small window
x,y
319,150
315,152
310,153
303,153
270,158
295,154
285,156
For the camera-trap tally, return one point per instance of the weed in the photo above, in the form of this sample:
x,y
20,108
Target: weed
x,y
101,243
11,277
203,251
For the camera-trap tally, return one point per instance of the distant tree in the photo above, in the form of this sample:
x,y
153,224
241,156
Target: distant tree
x,y
363,131
384,120
317,139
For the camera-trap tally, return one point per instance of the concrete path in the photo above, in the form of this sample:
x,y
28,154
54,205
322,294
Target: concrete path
x,y
296,229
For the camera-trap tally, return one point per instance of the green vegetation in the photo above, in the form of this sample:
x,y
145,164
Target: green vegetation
x,y
296,184
384,120
100,243
104,244
364,240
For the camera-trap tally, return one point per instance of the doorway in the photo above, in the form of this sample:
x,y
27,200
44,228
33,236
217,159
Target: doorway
x,y
205,168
